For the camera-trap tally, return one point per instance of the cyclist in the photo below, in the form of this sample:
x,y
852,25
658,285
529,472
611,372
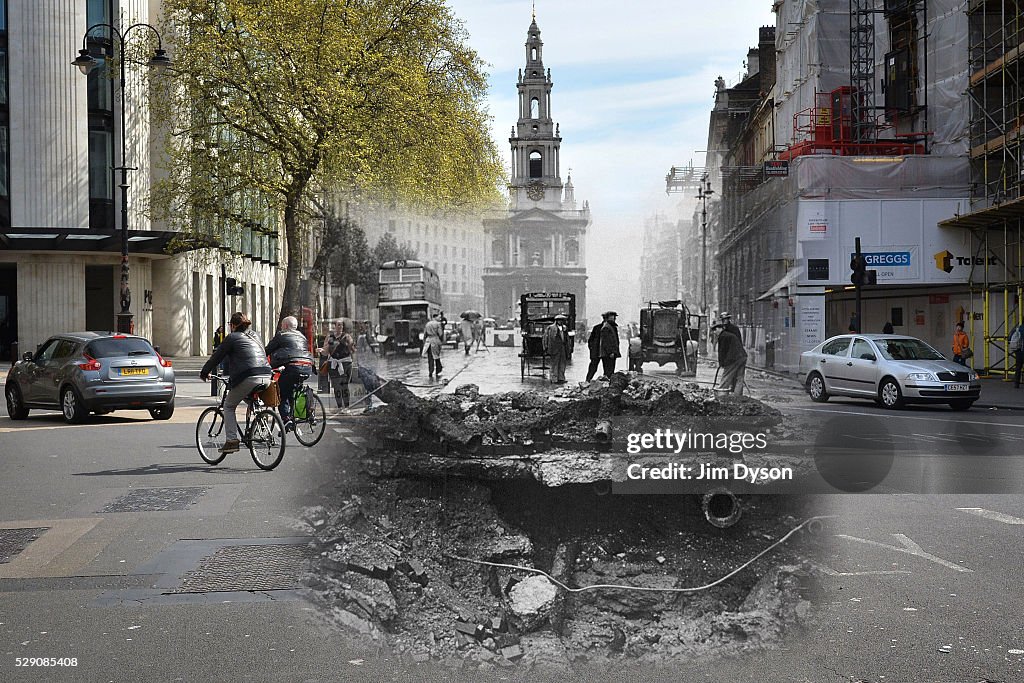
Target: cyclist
x,y
248,371
289,348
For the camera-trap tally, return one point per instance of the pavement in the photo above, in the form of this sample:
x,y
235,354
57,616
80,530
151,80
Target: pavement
x,y
136,559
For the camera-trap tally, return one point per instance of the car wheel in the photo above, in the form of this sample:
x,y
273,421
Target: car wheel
x,y
71,406
890,394
961,405
163,412
15,407
816,388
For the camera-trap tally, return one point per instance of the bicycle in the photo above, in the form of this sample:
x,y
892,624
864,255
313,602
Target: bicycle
x,y
309,417
264,431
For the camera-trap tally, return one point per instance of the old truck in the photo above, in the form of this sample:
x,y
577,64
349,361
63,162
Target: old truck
x,y
669,333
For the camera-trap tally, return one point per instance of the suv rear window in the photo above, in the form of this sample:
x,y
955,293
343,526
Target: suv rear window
x,y
109,347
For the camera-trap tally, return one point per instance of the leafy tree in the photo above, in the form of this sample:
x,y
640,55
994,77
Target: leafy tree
x,y
388,249
270,102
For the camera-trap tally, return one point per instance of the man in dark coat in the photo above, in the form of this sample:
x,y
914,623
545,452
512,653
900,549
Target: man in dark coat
x,y
731,358
290,348
727,324
594,344
605,348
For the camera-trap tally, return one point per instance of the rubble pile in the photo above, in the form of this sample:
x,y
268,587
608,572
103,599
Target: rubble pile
x,y
463,421
519,479
389,568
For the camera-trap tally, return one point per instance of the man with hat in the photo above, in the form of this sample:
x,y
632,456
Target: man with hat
x,y
732,358
604,346
726,323
556,345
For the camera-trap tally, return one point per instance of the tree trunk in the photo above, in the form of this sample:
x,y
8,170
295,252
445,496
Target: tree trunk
x,y
292,231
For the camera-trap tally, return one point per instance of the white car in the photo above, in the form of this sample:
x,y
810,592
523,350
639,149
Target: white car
x,y
890,369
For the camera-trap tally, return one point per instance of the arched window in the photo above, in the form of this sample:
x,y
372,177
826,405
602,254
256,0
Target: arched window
x,y
533,54
535,108
498,252
536,165
572,251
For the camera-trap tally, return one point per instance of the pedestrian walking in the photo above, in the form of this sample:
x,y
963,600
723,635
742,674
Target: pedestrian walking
x,y
853,326
366,363
248,371
433,340
1016,347
290,348
339,362
961,345
478,334
556,345
887,328
732,359
466,333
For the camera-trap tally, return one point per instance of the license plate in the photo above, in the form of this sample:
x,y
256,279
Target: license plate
x,y
134,371
958,387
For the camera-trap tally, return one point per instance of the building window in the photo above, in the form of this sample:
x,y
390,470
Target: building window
x,y
391,225
534,108
572,251
536,165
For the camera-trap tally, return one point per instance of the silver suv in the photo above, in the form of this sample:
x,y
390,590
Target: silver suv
x,y
99,372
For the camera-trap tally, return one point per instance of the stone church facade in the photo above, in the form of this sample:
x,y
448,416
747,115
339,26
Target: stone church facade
x,y
538,244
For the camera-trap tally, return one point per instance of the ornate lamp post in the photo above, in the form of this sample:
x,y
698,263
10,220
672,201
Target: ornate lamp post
x,y
703,192
86,63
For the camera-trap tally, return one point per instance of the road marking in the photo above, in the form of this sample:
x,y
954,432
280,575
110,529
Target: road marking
x,y
909,548
181,416
933,437
995,516
828,571
889,415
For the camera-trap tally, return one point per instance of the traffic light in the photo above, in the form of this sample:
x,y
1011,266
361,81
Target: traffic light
x,y
860,275
231,287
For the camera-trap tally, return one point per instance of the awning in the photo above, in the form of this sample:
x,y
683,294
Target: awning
x,y
992,217
787,281
154,243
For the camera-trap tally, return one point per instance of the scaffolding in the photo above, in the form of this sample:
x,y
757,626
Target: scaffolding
x,y
862,70
996,220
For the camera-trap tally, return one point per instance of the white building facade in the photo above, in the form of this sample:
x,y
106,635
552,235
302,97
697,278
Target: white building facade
x,y
60,200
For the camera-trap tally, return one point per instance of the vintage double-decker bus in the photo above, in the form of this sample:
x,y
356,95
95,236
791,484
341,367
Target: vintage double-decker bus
x,y
409,294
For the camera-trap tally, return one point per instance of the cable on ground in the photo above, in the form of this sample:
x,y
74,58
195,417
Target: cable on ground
x,y
611,586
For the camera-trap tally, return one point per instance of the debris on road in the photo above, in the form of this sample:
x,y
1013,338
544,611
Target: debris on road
x,y
509,479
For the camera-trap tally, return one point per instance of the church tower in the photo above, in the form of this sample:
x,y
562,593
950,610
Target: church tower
x,y
538,243
535,139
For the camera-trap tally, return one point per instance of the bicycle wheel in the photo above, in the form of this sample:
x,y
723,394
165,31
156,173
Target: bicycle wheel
x,y
310,429
211,435
266,439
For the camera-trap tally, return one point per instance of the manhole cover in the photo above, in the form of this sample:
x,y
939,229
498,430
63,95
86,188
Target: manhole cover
x,y
248,568
13,541
156,500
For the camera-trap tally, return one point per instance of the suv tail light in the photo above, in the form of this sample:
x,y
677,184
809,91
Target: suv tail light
x,y
90,364
163,361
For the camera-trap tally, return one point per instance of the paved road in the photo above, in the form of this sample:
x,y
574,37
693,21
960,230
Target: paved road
x,y
149,565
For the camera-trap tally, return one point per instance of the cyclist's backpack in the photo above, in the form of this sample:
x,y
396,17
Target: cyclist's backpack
x,y
299,409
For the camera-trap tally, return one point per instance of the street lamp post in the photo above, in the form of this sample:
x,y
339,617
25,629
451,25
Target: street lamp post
x,y
703,192
86,63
